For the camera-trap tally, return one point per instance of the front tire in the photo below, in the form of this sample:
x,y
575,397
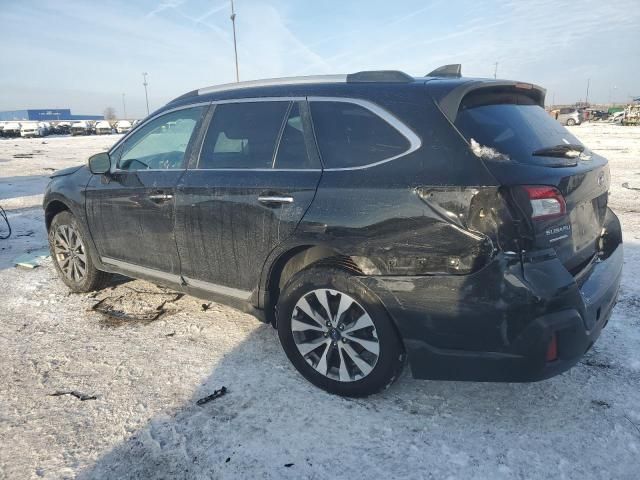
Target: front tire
x,y
571,122
337,333
71,257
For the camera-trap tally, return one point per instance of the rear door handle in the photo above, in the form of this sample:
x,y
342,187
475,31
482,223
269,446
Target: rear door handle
x,y
275,199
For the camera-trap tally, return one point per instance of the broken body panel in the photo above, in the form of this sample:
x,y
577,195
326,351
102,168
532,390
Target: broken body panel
x,y
442,236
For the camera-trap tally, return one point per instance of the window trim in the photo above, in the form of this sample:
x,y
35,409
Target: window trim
x,y
114,165
414,140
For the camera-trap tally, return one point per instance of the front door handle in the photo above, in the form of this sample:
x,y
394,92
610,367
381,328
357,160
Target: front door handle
x,y
275,199
160,197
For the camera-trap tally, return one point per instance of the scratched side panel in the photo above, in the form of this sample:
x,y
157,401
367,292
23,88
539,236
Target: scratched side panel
x,y
224,232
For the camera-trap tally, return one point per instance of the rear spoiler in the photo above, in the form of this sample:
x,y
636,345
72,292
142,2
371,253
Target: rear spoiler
x,y
448,99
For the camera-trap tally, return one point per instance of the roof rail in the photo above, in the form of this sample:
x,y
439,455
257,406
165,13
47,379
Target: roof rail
x,y
275,81
452,70
393,76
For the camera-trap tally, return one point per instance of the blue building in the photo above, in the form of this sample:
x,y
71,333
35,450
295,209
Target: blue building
x,y
45,115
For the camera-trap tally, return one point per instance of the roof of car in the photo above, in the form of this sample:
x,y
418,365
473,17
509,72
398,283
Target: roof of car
x,y
446,85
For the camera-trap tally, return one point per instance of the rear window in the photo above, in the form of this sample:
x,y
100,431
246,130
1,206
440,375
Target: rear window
x,y
514,131
350,135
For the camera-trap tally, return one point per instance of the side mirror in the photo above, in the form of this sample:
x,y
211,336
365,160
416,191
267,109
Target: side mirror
x,y
100,163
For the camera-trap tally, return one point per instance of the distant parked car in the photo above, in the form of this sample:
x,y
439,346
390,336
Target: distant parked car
x,y
597,115
80,128
123,126
617,117
30,130
61,128
103,128
569,116
11,129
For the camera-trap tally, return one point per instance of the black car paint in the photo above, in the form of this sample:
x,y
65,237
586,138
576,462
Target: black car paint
x,y
474,292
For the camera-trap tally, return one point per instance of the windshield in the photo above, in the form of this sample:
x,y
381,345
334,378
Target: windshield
x,y
515,131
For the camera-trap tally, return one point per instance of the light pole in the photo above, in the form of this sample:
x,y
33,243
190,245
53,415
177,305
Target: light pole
x,y
124,108
235,47
146,95
586,98
495,71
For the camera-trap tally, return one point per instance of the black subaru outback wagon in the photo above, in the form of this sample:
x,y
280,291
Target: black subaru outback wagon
x,y
370,218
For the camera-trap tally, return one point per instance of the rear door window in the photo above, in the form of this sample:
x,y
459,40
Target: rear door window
x,y
350,135
243,135
292,150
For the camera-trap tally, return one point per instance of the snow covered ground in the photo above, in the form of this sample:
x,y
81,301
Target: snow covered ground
x,y
147,376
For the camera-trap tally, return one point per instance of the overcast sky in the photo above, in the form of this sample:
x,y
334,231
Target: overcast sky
x,y
86,54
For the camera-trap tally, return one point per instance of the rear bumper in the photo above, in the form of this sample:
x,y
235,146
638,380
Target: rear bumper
x,y
496,324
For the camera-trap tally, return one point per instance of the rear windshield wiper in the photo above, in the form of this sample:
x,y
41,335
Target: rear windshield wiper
x,y
564,150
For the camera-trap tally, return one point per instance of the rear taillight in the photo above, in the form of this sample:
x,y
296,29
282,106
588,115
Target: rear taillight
x,y
546,202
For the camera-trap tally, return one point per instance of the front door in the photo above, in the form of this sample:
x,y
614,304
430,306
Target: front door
x,y
131,211
256,176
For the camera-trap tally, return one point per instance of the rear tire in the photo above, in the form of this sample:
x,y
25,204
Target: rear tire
x,y
571,122
354,350
71,258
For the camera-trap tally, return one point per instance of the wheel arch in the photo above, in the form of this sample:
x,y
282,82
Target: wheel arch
x,y
53,208
293,260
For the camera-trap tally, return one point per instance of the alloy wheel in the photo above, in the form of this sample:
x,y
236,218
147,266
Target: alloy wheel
x,y
70,253
335,335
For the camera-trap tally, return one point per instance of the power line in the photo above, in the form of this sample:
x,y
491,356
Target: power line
x,y
235,47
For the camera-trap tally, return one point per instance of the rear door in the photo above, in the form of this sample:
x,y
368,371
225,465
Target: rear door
x,y
256,176
131,211
557,187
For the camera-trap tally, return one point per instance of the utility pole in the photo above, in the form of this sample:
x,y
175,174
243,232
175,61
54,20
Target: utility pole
x,y
124,108
614,89
586,98
495,71
235,47
146,96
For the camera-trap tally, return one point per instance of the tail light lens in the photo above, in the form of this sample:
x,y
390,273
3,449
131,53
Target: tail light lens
x,y
546,202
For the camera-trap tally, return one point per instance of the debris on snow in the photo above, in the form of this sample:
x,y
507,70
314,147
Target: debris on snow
x,y
216,394
31,259
134,308
289,465
487,153
205,306
80,396
594,363
601,403
626,185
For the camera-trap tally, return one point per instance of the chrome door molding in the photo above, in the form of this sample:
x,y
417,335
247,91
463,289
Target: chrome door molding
x,y
177,279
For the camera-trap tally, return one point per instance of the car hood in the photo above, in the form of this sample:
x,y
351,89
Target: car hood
x,y
66,171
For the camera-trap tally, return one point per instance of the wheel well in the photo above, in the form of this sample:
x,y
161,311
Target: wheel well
x,y
53,208
295,260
